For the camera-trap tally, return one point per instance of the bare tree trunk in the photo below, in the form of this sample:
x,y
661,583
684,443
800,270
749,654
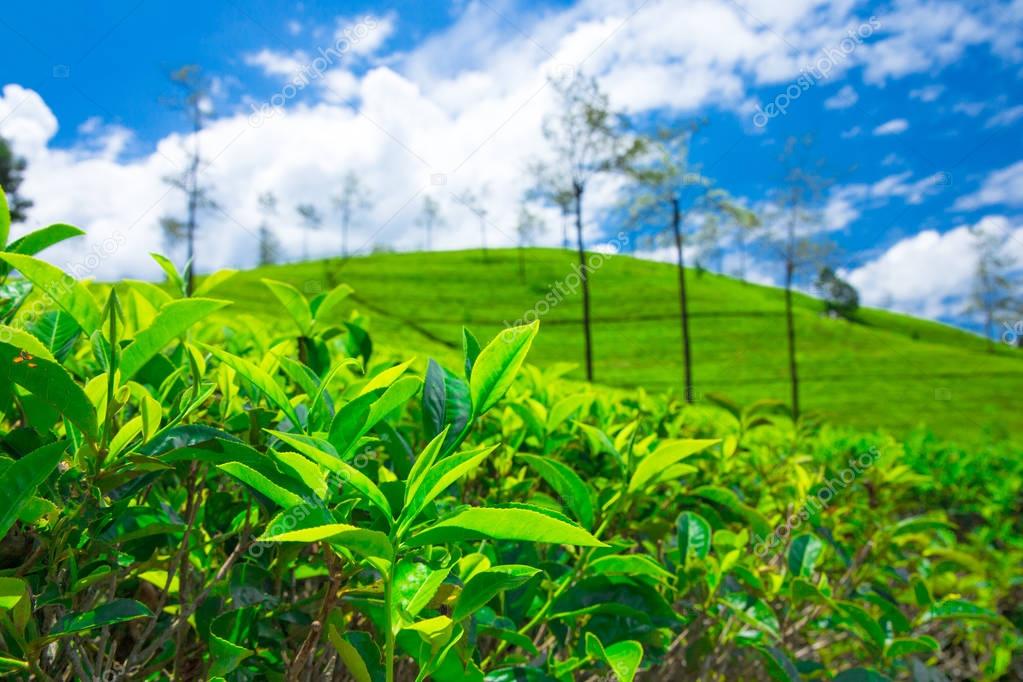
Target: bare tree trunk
x,y
584,279
483,237
687,363
193,199
564,230
791,333
742,256
989,330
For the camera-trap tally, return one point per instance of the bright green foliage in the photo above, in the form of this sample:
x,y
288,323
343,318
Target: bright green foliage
x,y
880,369
192,493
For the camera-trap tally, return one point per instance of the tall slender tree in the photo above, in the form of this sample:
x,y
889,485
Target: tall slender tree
x,y
709,243
561,198
192,98
529,225
12,174
429,219
797,235
353,201
586,139
996,284
664,192
475,201
312,220
268,242
745,226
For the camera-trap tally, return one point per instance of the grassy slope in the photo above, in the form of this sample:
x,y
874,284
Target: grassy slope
x,y
885,370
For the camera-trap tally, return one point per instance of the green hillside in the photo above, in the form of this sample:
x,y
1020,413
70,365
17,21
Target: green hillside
x,y
883,370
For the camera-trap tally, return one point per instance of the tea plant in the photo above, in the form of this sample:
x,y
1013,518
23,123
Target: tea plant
x,y
191,495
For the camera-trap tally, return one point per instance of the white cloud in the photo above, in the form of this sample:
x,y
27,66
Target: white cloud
x,y
930,273
840,211
843,99
467,102
851,133
970,109
928,93
895,126
913,192
365,34
274,63
1005,117
1001,187
845,203
927,35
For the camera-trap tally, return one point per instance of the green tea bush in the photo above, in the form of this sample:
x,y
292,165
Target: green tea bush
x,y
193,496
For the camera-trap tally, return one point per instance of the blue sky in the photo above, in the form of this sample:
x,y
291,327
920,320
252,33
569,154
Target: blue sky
x,y
920,117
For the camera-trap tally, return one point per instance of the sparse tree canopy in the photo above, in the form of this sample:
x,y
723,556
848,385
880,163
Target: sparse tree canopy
x,y
312,219
310,215
193,99
527,227
585,139
429,219
795,235
353,200
12,174
840,297
475,201
664,190
269,245
995,297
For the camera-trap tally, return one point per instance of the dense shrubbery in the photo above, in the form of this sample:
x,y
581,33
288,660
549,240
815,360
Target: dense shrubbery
x,y
193,499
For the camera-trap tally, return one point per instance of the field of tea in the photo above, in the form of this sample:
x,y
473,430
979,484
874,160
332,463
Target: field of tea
x,y
883,370
263,481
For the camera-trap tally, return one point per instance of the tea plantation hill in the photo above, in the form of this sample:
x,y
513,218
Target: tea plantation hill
x,y
879,370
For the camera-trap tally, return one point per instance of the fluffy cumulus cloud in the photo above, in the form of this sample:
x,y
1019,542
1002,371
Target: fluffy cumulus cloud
x,y
930,273
843,99
1001,187
925,35
895,126
462,109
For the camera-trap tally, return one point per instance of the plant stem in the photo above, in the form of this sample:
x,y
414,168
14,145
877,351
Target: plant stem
x,y
579,569
388,625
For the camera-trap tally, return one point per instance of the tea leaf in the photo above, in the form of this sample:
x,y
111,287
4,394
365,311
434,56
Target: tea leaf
x,y
49,382
525,525
116,611
694,536
258,378
663,457
496,366
20,480
487,584
623,657
294,303
567,484
803,554
71,295
170,323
